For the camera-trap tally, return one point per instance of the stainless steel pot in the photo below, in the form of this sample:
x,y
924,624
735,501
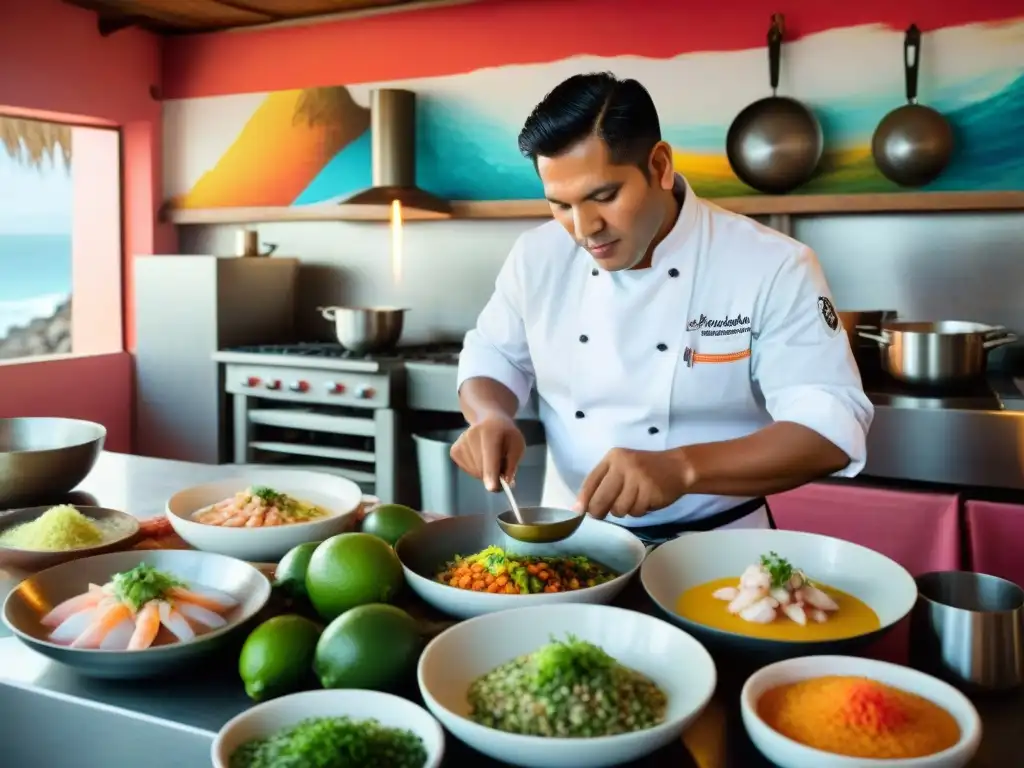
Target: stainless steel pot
x,y
863,320
937,353
365,329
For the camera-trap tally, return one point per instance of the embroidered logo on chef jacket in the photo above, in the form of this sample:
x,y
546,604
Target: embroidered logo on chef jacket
x,y
724,326
828,315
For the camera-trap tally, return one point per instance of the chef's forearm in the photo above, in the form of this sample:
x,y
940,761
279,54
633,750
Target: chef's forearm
x,y
481,397
774,459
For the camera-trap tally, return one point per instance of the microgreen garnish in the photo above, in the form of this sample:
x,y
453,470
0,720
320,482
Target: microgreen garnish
x,y
778,568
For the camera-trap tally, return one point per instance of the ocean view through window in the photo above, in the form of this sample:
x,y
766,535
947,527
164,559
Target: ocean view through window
x,y
36,225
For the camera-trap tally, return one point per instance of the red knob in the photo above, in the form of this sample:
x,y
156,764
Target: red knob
x,y
299,386
334,388
275,384
252,381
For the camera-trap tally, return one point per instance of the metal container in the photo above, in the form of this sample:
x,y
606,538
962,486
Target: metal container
x,y
45,457
966,628
947,352
863,320
366,329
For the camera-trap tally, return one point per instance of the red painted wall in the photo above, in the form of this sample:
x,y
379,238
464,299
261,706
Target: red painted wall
x,y
54,60
460,38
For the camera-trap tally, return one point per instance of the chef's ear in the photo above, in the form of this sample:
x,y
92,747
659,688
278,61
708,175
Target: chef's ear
x,y
661,166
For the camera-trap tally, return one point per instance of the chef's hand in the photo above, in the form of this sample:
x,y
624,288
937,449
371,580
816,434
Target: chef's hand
x,y
492,446
634,483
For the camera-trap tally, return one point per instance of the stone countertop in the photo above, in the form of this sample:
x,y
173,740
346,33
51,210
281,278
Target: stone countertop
x,y
209,697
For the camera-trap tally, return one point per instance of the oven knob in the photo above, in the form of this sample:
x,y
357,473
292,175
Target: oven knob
x,y
252,381
275,384
364,392
334,388
299,386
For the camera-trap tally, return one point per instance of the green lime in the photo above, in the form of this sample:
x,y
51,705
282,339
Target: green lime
x,y
349,570
277,655
290,576
373,646
391,521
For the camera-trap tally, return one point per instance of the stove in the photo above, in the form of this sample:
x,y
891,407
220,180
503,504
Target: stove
x,y
997,392
328,355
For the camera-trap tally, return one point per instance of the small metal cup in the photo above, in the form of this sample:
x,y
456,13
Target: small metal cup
x,y
966,628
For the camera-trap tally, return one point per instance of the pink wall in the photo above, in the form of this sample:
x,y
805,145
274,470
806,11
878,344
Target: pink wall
x,y
54,60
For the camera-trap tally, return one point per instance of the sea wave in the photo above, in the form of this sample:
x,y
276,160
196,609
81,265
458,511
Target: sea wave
x,y
20,312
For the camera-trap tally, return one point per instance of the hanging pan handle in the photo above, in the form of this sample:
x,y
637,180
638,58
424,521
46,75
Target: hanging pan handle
x,y
775,32
911,61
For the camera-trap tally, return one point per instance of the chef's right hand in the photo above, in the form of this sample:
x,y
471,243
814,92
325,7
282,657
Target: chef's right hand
x,y
491,447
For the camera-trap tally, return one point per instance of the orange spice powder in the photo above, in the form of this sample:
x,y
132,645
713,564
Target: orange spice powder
x,y
858,717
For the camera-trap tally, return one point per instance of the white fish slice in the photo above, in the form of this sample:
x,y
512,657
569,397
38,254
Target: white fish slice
x,y
221,598
726,593
761,612
72,605
796,612
117,638
175,622
201,615
73,626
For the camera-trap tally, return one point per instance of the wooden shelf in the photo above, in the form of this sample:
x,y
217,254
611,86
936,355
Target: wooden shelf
x,y
754,205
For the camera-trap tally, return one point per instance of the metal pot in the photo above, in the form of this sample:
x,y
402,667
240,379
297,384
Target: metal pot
x,y
947,352
365,329
863,320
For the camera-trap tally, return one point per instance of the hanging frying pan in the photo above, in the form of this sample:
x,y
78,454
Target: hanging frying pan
x,y
774,145
913,143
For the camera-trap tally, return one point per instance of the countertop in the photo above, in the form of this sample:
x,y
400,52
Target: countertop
x,y
210,697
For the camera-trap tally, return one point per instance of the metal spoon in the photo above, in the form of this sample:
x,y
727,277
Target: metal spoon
x,y
511,499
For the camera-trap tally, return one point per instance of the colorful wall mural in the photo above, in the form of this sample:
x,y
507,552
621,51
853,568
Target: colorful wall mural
x,y
309,146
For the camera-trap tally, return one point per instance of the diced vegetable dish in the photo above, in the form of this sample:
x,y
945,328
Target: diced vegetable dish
x,y
497,571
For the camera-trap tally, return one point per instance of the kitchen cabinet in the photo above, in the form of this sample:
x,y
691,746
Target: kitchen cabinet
x,y
920,531
995,537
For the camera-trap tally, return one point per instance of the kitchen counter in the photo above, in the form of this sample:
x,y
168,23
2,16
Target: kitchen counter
x,y
209,697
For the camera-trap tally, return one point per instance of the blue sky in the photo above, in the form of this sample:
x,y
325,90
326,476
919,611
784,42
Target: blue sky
x,y
34,201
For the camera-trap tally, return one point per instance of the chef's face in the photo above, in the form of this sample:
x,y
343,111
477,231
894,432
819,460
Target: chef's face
x,y
614,211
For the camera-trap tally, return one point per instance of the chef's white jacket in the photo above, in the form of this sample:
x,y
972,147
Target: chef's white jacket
x,y
731,328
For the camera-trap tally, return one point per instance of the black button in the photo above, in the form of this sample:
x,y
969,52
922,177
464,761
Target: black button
x,y
579,414
594,271
652,430
584,338
673,272
662,347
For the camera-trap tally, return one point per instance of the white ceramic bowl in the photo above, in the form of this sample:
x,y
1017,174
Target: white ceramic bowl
x,y
787,753
698,558
271,716
339,496
674,660
425,549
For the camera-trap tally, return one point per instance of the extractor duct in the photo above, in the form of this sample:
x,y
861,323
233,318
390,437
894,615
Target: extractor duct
x,y
393,155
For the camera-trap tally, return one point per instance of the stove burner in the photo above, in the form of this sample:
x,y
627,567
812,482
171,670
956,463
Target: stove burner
x,y
443,352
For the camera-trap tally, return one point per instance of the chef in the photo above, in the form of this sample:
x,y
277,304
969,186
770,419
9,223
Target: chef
x,y
688,361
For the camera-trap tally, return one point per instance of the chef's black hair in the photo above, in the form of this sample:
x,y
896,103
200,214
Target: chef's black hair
x,y
621,112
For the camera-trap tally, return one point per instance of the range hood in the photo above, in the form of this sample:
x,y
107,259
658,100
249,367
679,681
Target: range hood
x,y
393,155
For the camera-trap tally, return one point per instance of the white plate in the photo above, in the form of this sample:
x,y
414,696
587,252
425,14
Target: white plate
x,y
271,716
787,753
675,661
338,495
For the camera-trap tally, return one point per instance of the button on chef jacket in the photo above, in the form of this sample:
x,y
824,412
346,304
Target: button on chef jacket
x,y
730,329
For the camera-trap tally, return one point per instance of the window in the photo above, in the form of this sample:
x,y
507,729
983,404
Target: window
x,y
60,237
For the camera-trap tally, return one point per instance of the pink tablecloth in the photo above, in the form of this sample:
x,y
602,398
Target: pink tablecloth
x,y
920,531
995,539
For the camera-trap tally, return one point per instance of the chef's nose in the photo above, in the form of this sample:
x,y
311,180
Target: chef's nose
x,y
586,223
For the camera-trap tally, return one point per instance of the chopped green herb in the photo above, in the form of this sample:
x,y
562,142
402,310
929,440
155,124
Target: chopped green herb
x,y
269,495
569,661
778,568
142,584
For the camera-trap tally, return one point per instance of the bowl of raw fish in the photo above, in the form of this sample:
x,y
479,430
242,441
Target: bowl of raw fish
x,y
271,717
250,532
424,551
71,614
724,587
118,529
675,662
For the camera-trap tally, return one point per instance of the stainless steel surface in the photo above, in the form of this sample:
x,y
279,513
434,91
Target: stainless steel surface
x,y
540,525
32,598
52,730
939,353
41,456
775,144
967,628
11,557
393,156
366,329
180,407
913,143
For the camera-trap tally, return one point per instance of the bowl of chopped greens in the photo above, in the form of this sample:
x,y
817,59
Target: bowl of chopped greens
x,y
467,566
557,685
331,729
260,515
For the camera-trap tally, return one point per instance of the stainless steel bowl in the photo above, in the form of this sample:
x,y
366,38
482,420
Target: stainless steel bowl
x,y
35,596
123,529
366,329
45,457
